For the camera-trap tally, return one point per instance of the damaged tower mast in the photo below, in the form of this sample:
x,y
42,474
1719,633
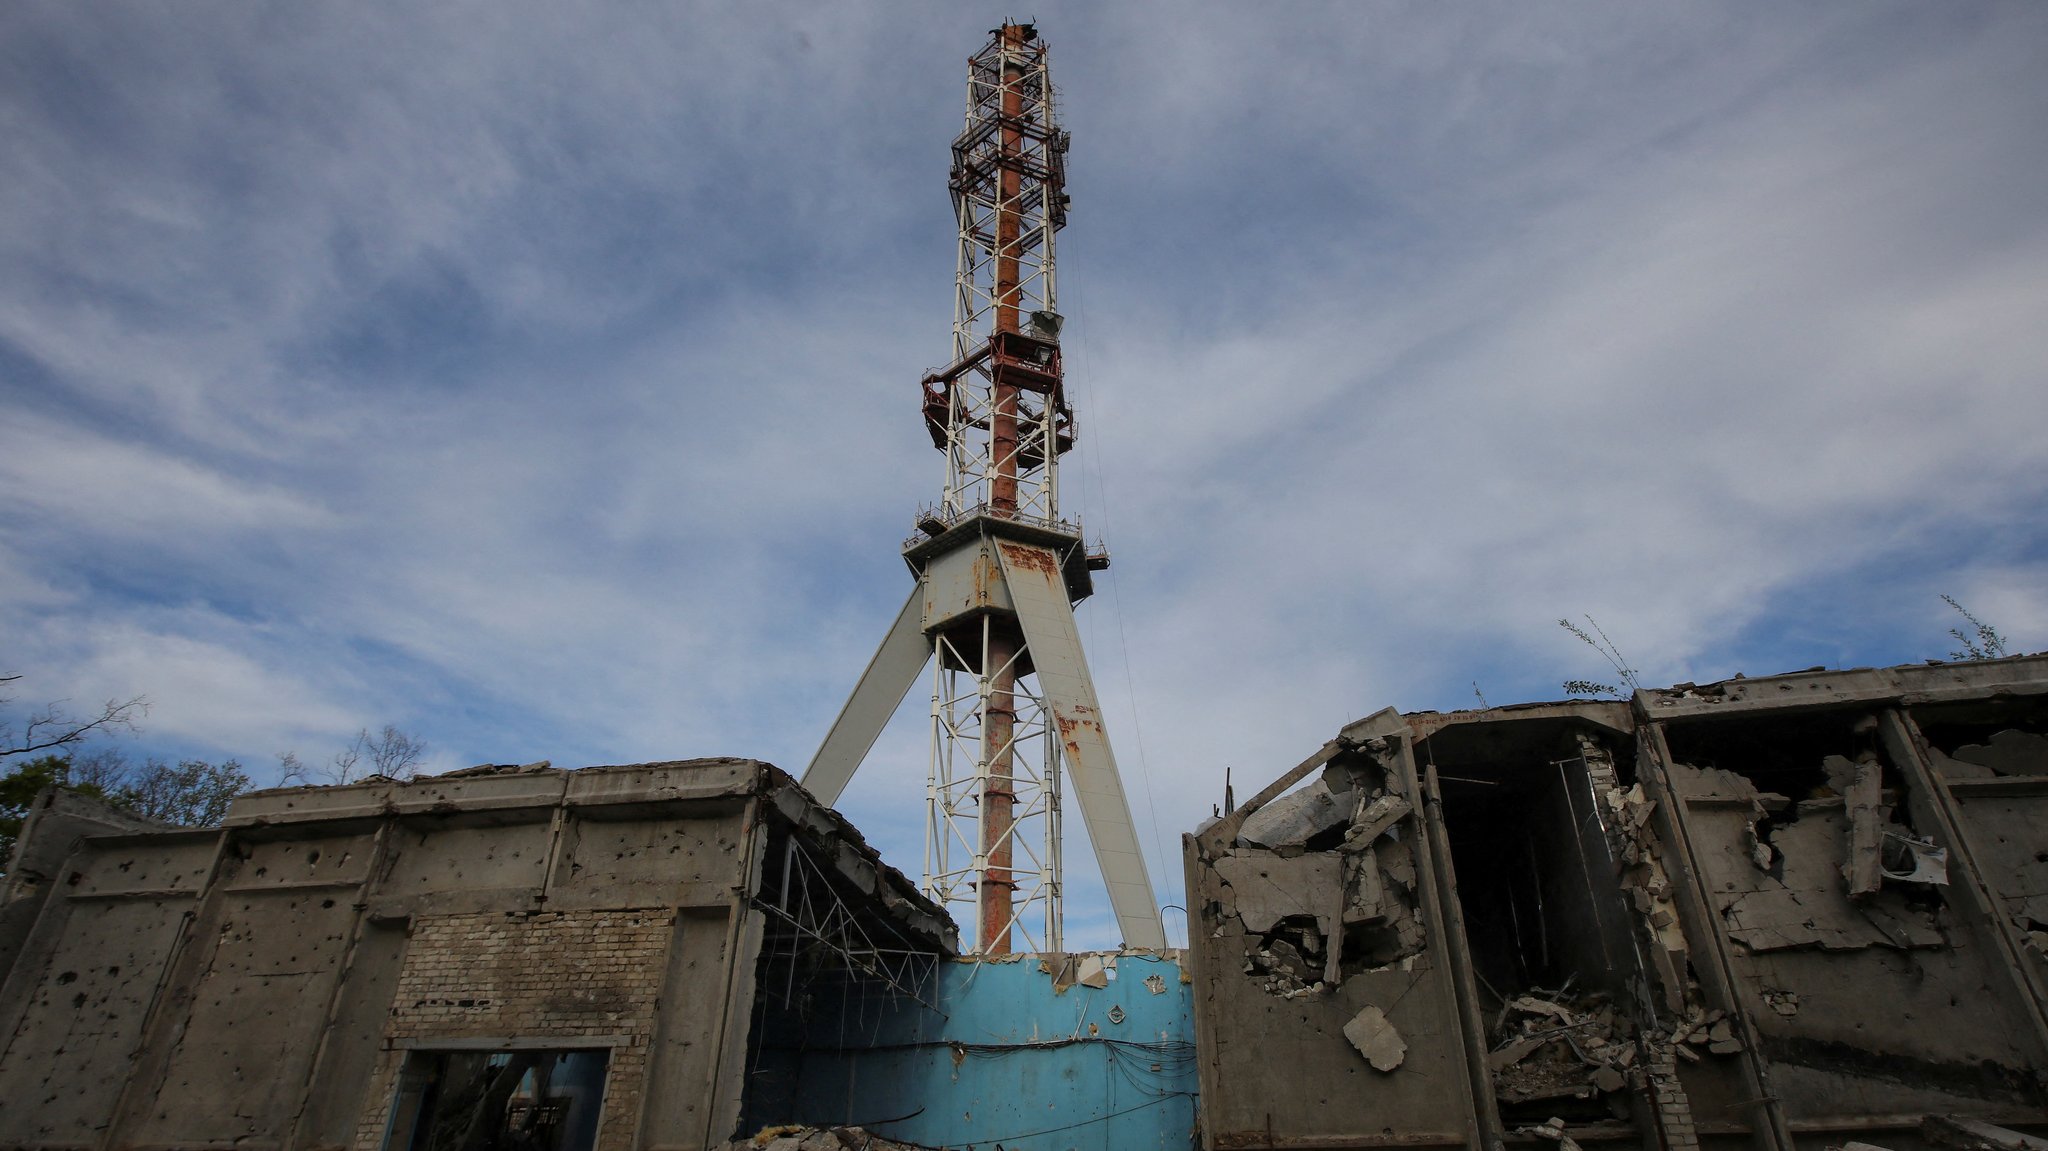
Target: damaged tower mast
x,y
998,571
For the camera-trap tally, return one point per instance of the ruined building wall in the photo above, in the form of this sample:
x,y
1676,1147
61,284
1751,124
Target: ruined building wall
x,y
1324,985
1038,1052
473,976
1769,913
311,974
54,826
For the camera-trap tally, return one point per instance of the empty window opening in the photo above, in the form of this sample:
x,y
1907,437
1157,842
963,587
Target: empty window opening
x,y
1778,754
498,1101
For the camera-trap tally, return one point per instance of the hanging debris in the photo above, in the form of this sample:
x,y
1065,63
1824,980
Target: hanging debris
x,y
1648,886
1318,906
1819,870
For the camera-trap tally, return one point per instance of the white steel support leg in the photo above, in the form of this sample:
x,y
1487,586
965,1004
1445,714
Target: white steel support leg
x,y
1033,575
875,698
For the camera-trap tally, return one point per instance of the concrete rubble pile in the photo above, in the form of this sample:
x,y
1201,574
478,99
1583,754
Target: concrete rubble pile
x,y
1546,1049
818,1139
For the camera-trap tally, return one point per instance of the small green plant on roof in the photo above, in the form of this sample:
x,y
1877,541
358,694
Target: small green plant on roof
x,y
1612,654
1981,641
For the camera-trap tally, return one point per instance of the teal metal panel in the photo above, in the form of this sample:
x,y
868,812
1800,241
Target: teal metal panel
x,y
1008,1058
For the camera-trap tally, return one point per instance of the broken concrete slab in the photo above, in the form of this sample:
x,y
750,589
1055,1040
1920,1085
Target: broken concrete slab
x,y
1296,818
1515,1052
1553,1129
1530,1005
2009,752
1364,890
1711,783
1090,971
1377,816
1954,770
1376,1039
1267,888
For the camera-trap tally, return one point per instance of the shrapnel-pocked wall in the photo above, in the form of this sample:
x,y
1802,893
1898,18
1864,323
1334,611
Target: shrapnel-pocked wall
x,y
581,979
353,966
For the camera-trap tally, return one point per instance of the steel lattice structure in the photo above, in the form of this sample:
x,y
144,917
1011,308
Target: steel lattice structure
x,y
961,838
1012,704
992,794
1009,199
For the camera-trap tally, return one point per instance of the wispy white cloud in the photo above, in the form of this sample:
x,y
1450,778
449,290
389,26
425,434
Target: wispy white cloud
x,y
543,381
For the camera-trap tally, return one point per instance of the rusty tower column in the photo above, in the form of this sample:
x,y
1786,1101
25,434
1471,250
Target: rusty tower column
x,y
997,888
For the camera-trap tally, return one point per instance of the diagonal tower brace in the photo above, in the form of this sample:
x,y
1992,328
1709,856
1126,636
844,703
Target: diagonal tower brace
x,y
898,662
978,574
1036,587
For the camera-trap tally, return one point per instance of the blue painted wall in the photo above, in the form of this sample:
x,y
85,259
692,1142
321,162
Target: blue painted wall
x,y
1006,1059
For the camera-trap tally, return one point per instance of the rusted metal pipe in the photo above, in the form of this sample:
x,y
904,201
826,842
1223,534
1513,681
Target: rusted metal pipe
x,y
997,890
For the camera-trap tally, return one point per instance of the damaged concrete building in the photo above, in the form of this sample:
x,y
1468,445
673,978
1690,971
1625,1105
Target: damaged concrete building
x,y
500,957
669,955
1797,911
1800,911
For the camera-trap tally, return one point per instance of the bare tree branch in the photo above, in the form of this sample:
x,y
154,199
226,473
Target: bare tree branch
x,y
1610,653
390,752
1982,641
52,727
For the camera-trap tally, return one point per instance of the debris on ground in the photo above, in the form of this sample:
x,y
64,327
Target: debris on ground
x,y
796,1138
1553,1045
1552,1129
1548,1046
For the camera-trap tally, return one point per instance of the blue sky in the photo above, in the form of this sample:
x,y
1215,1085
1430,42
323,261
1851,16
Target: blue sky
x,y
541,378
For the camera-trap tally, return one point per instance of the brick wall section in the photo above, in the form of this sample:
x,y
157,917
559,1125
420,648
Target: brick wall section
x,y
1674,1109
564,977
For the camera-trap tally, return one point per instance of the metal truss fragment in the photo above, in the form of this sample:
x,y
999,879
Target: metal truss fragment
x,y
811,920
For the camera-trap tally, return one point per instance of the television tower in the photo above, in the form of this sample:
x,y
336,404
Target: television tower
x,y
998,571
